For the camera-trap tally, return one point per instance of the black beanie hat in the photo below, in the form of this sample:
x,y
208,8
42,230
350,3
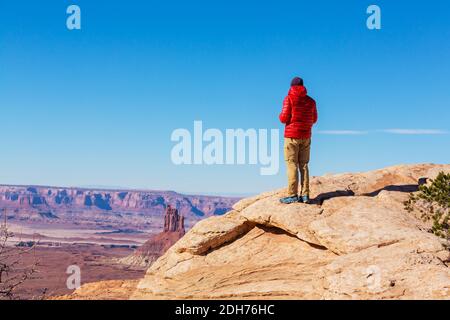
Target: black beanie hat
x,y
297,82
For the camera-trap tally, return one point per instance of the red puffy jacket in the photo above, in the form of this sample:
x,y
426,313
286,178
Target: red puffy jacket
x,y
299,113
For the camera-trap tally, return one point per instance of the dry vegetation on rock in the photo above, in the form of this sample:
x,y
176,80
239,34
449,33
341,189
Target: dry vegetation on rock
x,y
13,273
433,202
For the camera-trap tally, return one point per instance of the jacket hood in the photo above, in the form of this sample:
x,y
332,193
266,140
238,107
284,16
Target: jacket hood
x,y
299,91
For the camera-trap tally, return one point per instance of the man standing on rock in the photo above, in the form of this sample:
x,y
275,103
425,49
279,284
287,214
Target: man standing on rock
x,y
299,114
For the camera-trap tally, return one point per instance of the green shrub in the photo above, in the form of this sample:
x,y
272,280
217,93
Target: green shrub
x,y
433,202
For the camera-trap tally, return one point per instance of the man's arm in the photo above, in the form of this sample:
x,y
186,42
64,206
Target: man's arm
x,y
285,115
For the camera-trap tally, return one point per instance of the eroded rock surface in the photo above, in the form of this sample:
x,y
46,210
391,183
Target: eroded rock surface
x,y
355,242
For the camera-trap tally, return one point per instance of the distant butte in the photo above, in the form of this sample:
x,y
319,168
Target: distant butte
x,y
173,222
158,244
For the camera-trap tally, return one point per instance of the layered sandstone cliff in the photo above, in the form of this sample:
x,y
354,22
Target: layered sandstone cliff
x,y
355,242
118,208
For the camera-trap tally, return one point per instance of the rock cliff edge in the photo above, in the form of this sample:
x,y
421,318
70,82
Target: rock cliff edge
x,y
355,242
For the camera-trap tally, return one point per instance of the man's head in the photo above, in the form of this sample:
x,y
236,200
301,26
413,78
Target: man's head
x,y
297,82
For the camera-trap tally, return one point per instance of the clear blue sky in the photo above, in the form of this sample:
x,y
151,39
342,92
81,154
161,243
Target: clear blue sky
x,y
98,106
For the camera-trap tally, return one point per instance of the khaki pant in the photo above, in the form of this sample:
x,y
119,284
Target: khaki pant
x,y
296,154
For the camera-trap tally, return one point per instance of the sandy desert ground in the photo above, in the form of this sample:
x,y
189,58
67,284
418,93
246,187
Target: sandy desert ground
x,y
94,261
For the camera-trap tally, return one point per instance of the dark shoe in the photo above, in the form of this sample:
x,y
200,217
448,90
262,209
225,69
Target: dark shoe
x,y
305,199
289,200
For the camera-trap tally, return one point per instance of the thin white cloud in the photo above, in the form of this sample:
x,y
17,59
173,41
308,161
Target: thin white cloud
x,y
342,132
390,131
415,131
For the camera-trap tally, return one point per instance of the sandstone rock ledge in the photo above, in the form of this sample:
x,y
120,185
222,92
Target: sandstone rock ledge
x,y
355,242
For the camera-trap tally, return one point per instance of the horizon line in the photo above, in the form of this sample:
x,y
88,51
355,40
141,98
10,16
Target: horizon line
x,y
129,189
